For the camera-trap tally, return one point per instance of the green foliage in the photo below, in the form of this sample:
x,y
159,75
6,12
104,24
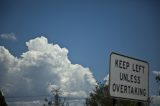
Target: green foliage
x,y
100,97
158,78
158,81
2,100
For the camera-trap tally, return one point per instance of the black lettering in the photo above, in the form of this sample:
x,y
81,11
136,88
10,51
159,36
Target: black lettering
x,y
114,87
135,79
127,64
126,77
136,90
116,63
120,63
138,68
140,91
121,88
131,78
144,92
143,69
118,88
124,65
129,87
121,76
125,89
132,92
133,67
138,78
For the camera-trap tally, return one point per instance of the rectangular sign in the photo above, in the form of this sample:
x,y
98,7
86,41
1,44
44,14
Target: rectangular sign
x,y
128,77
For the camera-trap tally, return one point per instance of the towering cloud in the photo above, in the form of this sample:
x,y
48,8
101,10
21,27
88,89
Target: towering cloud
x,y
42,67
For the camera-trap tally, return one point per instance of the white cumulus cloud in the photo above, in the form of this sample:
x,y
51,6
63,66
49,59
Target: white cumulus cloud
x,y
157,73
106,79
8,36
43,66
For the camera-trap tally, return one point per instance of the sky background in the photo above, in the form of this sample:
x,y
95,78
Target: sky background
x,y
89,29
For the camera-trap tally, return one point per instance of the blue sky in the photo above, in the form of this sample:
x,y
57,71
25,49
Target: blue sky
x,y
90,30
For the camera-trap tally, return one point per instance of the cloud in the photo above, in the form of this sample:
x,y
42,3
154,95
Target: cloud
x,y
42,67
106,79
26,103
157,73
8,36
71,102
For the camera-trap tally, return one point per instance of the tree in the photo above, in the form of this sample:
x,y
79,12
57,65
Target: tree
x,y
157,78
2,100
57,100
100,97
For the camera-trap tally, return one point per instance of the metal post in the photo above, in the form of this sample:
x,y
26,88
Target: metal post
x,y
139,103
114,102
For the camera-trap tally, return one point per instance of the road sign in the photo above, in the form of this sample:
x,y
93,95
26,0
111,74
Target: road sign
x,y
128,77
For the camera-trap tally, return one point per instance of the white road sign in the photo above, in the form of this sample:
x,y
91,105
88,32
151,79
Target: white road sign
x,y
128,77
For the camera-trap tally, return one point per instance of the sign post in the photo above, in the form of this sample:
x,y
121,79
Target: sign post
x,y
128,78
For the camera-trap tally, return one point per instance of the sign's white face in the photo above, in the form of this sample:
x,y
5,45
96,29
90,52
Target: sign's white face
x,y
128,78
